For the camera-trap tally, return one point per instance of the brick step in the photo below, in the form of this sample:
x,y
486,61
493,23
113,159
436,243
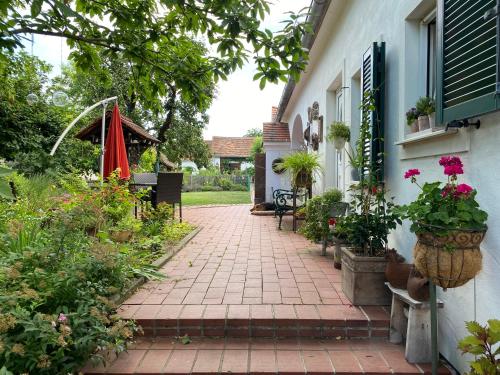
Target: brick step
x,y
241,356
320,321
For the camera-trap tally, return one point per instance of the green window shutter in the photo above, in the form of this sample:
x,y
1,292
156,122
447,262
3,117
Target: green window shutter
x,y
373,81
467,59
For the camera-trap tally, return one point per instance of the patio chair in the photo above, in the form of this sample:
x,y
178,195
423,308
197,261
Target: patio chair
x,y
143,181
289,200
168,189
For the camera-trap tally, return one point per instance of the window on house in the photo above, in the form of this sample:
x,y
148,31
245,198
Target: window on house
x,y
429,29
468,60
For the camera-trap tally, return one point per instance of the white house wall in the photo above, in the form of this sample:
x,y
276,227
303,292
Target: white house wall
x,y
348,30
273,180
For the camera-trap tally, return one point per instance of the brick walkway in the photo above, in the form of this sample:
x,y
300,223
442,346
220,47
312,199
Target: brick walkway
x,y
239,258
254,300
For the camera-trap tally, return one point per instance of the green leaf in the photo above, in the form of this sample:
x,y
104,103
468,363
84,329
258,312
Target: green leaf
x,y
36,8
185,340
5,191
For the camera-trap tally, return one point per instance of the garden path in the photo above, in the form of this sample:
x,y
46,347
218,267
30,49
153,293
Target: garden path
x,y
253,300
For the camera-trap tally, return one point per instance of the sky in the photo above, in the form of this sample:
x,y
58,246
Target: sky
x,y
240,104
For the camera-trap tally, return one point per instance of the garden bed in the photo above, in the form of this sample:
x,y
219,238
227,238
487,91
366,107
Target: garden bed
x,y
66,252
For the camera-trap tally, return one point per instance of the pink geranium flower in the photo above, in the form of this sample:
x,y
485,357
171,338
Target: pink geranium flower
x,y
62,318
412,173
453,170
464,189
450,160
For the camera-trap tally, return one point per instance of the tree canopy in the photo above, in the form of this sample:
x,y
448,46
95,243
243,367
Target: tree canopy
x,y
156,37
254,132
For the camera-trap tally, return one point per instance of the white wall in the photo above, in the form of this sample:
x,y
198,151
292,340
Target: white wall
x,y
347,32
216,161
274,180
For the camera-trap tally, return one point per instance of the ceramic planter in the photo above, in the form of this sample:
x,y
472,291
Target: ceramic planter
x,y
339,143
432,120
423,122
363,279
414,126
397,274
303,179
449,261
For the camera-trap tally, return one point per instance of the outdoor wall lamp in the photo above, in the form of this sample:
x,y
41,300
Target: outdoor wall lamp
x,y
456,124
315,126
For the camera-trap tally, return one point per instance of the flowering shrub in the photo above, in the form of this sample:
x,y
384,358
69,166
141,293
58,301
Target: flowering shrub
x,y
317,210
441,207
59,268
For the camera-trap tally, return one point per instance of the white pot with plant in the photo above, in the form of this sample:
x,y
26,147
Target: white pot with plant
x,y
412,119
431,113
423,105
339,133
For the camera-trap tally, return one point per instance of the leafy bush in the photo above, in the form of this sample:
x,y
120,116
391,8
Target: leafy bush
x,y
238,187
225,184
483,344
59,268
317,211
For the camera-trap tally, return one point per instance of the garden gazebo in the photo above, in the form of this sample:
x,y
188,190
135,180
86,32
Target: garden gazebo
x,y
137,139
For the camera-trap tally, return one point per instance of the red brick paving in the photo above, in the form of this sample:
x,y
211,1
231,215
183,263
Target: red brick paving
x,y
238,258
266,293
258,356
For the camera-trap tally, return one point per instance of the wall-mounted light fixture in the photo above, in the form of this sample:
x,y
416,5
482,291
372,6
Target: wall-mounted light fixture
x,y
315,126
456,124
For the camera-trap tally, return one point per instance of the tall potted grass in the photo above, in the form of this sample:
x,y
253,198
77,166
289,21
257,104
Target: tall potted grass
x,y
302,167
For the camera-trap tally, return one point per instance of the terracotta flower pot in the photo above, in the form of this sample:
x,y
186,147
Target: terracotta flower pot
x,y
449,261
418,286
397,274
423,122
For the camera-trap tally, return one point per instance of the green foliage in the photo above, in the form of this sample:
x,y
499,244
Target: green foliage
x,y
483,344
368,227
59,267
156,45
257,146
339,129
5,188
373,216
425,106
300,162
28,132
441,207
318,209
254,132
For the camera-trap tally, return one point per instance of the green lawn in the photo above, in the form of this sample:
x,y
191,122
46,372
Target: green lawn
x,y
215,197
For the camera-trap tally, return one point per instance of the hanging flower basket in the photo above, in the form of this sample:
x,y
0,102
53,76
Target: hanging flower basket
x,y
449,260
339,143
303,179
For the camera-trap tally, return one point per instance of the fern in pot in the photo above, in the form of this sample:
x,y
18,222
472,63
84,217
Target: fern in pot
x,y
302,167
339,133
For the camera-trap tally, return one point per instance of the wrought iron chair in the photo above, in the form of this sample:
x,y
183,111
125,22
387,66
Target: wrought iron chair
x,y
289,200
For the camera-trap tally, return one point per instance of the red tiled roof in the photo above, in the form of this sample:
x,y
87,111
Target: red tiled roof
x,y
276,132
236,147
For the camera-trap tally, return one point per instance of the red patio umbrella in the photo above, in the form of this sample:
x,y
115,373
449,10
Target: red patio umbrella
x,y
116,154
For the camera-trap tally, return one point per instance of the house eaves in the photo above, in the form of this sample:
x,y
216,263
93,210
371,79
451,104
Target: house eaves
x,y
317,12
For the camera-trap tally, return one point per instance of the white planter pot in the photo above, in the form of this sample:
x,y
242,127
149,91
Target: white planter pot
x,y
423,122
414,126
339,143
432,120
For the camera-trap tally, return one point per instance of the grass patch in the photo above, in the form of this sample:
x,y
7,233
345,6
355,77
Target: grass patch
x,y
215,197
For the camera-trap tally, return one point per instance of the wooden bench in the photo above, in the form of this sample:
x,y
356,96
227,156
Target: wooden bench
x,y
411,320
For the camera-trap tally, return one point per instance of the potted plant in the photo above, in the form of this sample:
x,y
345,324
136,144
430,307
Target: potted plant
x,y
431,113
368,224
317,217
301,166
412,119
422,107
339,133
449,226
364,263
